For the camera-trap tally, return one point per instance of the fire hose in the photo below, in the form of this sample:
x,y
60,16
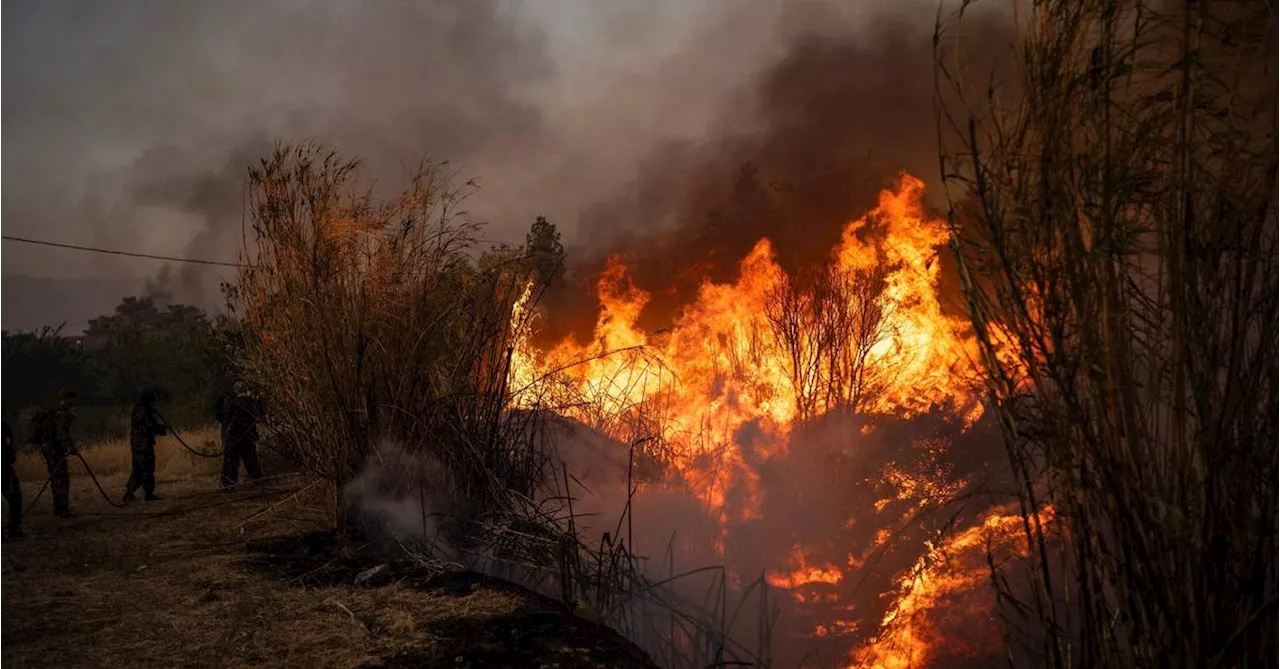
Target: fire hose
x,y
94,477
176,435
31,504
96,483
173,431
27,508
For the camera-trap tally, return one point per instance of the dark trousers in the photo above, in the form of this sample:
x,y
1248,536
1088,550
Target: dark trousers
x,y
234,453
143,474
59,482
13,495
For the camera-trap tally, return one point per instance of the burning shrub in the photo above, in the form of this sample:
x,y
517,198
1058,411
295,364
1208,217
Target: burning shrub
x,y
817,430
369,320
827,327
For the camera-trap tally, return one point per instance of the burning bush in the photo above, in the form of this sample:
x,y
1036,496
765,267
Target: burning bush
x,y
827,327
369,321
822,426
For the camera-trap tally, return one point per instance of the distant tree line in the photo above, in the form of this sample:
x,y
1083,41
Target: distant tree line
x,y
177,348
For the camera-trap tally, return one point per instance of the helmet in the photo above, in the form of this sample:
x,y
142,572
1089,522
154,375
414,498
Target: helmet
x,y
148,395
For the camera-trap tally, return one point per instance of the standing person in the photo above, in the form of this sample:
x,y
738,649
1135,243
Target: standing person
x,y
238,414
51,433
12,489
144,426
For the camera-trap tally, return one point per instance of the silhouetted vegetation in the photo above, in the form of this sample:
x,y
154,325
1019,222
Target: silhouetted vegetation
x,y
174,348
37,364
1118,251
368,323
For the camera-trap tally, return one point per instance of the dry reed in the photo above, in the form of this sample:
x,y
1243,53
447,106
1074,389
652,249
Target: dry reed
x,y
1114,219
369,321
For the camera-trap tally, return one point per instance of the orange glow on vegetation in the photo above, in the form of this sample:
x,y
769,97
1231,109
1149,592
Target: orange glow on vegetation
x,y
958,565
722,375
719,367
803,574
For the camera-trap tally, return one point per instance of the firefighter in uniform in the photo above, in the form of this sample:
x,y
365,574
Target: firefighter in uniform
x,y
51,433
144,426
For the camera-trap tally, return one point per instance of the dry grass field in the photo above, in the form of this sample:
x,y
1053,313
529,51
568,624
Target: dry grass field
x,y
204,578
111,460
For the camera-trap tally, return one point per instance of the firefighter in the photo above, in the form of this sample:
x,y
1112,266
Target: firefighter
x,y
145,425
238,412
10,489
51,434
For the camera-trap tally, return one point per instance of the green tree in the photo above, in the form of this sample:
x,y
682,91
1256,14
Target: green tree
x,y
543,246
36,365
144,345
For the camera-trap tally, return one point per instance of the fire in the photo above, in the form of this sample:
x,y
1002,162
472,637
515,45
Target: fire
x,y
720,367
924,350
957,566
744,363
803,574
521,375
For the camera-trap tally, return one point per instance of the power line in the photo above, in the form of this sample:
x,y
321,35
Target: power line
x,y
40,242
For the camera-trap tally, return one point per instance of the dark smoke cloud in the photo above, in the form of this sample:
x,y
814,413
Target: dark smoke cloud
x,y
215,197
131,127
814,138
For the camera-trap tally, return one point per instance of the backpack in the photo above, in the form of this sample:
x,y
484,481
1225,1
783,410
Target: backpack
x,y
41,429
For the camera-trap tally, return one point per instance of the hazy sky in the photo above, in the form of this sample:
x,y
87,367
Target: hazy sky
x,y
130,124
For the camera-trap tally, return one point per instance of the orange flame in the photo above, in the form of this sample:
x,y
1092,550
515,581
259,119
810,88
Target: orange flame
x,y
719,368
803,574
910,639
721,379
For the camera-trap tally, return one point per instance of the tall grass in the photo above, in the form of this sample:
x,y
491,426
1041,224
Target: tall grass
x,y
370,321
113,458
1114,218
681,615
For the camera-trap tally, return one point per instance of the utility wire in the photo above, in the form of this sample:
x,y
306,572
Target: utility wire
x,y
40,242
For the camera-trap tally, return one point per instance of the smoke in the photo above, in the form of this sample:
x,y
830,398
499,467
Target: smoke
x,y
133,128
409,496
406,498
831,494
813,137
409,499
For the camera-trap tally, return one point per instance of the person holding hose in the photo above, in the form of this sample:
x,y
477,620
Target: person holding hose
x,y
238,412
12,489
51,434
145,425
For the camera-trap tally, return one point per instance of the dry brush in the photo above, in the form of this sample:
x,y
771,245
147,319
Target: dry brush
x,y
371,322
1114,219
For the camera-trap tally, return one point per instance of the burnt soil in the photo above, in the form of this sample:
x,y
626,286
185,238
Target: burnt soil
x,y
539,632
199,580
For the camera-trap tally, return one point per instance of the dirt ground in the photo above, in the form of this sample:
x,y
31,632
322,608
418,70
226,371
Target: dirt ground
x,y
202,578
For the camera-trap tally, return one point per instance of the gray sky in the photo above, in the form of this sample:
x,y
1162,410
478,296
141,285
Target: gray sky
x,y
130,124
